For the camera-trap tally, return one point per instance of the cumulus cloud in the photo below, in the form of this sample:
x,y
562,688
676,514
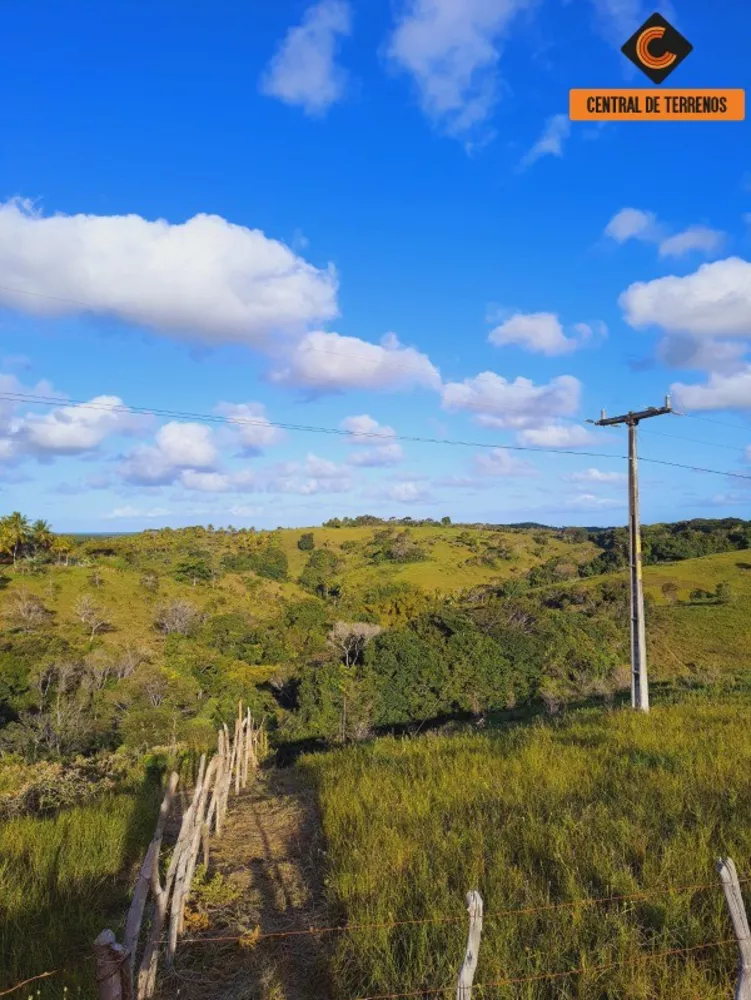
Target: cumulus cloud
x,y
539,332
178,446
724,356
550,143
635,224
713,301
253,427
598,476
311,476
304,71
701,238
720,392
329,362
451,49
501,462
205,280
497,402
128,511
555,435
76,429
363,430
408,492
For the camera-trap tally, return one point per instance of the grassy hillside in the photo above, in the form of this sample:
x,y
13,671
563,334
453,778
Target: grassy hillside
x,y
597,804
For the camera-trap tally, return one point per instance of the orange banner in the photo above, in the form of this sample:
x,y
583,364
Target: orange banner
x,y
613,104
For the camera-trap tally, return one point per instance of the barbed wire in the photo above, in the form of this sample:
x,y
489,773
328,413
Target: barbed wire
x,y
547,976
32,979
252,937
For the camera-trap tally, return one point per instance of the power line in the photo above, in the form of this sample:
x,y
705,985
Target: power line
x,y
678,437
341,432
720,423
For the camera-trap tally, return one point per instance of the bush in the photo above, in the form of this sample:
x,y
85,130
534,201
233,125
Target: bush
x,y
305,542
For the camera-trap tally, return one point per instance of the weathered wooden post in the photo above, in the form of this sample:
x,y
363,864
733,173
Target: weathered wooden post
x,y
734,899
145,881
467,971
110,958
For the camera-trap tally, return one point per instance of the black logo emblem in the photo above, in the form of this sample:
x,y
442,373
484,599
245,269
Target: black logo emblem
x,y
657,48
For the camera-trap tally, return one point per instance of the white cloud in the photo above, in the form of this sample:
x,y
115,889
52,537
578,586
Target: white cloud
x,y
619,19
205,482
204,280
304,70
592,475
550,143
590,501
501,462
724,356
330,362
253,427
451,48
497,402
363,430
635,224
177,446
408,492
129,511
377,458
714,301
632,224
540,332
694,238
66,430
243,510
313,475
721,392
555,435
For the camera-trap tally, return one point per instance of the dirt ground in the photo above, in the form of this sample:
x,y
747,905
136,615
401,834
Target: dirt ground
x,y
270,859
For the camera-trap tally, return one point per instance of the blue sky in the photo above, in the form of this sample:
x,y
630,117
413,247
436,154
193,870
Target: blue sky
x,y
373,217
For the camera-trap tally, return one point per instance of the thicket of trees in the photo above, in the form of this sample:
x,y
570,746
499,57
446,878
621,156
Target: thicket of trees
x,y
337,664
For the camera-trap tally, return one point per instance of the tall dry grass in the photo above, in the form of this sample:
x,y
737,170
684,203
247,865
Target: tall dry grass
x,y
596,804
62,879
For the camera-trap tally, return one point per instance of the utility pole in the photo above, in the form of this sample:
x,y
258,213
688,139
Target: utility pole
x,y
639,679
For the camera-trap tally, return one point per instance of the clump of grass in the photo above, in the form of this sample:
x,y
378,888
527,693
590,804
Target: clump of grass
x,y
594,805
62,880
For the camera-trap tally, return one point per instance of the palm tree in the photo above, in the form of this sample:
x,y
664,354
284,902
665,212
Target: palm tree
x,y
41,535
16,533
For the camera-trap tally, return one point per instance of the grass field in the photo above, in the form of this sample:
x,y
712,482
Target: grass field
x,y
597,804
62,880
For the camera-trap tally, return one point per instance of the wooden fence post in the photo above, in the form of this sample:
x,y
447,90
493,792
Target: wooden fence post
x,y
109,958
467,971
734,899
145,881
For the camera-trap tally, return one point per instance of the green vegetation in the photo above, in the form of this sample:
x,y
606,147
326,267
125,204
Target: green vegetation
x,y
113,648
63,878
594,805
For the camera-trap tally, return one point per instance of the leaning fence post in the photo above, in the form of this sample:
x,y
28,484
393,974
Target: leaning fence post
x,y
467,971
110,957
734,899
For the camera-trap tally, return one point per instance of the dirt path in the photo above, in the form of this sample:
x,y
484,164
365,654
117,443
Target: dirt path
x,y
270,859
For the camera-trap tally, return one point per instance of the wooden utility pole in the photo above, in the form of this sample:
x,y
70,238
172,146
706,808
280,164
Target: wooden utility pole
x,y
639,680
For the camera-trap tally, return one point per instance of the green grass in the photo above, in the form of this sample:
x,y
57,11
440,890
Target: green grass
x,y
62,880
597,804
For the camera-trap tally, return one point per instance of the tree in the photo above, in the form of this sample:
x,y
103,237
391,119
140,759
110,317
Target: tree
x,y
91,615
26,612
305,542
40,536
320,571
193,570
723,592
446,522
97,578
15,534
351,638
61,548
178,617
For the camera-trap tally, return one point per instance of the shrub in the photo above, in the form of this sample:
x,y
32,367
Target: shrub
x,y
305,542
